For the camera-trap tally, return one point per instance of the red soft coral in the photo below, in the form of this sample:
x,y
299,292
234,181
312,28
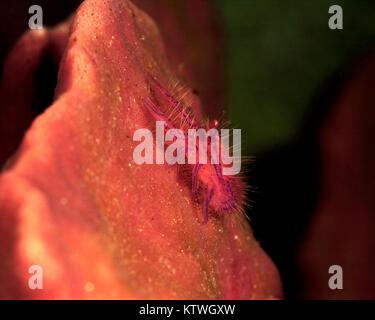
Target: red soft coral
x,y
74,202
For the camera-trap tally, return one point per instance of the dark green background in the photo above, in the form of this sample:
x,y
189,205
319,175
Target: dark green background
x,y
279,52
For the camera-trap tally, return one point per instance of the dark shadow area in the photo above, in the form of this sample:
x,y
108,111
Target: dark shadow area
x,y
17,118
45,84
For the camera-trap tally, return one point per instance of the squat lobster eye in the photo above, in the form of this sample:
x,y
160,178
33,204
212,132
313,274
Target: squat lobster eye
x,y
215,123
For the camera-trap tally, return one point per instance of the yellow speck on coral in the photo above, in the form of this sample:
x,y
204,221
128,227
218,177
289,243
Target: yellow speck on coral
x,y
89,287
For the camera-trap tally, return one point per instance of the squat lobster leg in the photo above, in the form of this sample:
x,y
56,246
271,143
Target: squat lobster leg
x,y
194,180
184,114
205,206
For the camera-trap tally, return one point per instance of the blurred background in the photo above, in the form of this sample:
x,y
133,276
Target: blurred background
x,y
279,54
286,71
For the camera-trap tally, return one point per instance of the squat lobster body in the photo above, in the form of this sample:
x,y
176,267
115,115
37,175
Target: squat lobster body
x,y
221,193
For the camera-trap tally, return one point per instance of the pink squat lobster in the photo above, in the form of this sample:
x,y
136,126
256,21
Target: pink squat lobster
x,y
222,193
